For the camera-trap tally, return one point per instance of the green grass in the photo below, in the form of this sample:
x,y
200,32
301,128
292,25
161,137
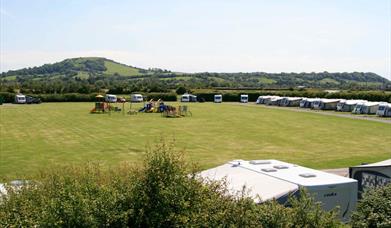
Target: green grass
x,y
123,70
329,80
82,75
37,136
265,80
10,78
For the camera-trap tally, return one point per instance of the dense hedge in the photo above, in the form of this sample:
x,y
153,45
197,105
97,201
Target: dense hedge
x,y
163,96
252,96
163,192
79,97
374,209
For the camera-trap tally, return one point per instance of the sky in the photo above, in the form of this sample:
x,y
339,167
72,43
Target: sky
x,y
201,35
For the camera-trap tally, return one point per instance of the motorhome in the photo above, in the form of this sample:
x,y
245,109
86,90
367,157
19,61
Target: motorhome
x,y
218,98
330,190
33,100
188,98
371,175
243,98
291,101
20,99
110,98
384,110
136,98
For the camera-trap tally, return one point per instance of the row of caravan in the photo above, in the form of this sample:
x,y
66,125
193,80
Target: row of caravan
x,y
218,98
342,105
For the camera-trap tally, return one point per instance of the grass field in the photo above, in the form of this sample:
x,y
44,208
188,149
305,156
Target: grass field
x,y
36,136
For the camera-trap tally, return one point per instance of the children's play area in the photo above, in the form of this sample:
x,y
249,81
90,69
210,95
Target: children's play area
x,y
111,104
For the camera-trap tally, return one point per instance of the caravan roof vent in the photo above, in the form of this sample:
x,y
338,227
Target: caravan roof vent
x,y
307,175
268,170
280,167
260,162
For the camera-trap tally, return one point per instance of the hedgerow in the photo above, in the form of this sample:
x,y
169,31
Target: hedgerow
x,y
163,192
374,209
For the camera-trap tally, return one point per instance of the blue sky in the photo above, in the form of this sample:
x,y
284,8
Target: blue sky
x,y
194,36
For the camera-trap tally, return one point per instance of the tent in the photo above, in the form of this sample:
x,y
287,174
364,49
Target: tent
x,y
371,175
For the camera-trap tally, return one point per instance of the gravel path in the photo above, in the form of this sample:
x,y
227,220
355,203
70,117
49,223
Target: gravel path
x,y
326,113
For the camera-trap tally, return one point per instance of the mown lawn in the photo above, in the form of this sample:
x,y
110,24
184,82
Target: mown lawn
x,y
37,136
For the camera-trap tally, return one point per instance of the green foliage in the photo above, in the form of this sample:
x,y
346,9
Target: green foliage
x,y
164,192
81,74
374,209
163,96
181,90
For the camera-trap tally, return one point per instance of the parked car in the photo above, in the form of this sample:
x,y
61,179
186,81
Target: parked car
x,y
33,100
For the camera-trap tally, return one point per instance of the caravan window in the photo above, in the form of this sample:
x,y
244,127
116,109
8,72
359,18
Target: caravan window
x,y
381,108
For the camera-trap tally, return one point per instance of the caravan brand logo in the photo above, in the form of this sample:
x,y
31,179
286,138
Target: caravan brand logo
x,y
331,194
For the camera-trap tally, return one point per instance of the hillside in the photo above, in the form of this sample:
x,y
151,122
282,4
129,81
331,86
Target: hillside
x,y
94,73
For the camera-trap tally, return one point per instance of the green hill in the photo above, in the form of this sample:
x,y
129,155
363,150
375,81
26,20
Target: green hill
x,y
94,73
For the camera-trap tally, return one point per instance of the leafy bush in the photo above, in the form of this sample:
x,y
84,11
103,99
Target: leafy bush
x,y
163,192
374,209
7,97
163,96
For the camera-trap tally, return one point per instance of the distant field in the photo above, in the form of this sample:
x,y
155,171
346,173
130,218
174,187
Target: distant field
x,y
123,70
36,136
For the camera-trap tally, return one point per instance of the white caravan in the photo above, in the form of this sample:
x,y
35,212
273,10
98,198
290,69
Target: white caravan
x,y
384,110
20,99
348,105
291,101
136,98
111,98
329,189
188,98
316,104
370,107
261,187
371,175
243,98
329,104
264,99
218,98
275,101
358,108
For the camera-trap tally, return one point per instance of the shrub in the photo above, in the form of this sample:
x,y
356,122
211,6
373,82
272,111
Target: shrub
x,y
163,192
374,209
163,96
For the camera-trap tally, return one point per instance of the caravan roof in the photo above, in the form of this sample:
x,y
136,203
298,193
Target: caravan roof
x,y
381,163
294,98
369,103
330,100
353,102
294,173
258,184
